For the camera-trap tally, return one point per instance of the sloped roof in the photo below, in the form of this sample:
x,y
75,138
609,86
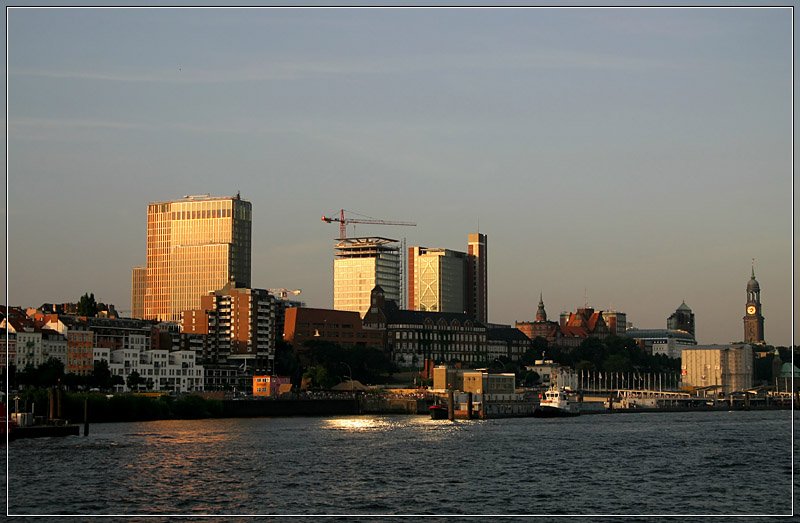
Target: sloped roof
x,y
506,334
350,385
396,315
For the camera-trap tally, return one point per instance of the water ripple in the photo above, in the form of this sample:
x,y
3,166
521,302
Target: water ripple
x,y
623,464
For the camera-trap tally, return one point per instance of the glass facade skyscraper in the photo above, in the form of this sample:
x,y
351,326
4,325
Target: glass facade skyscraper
x,y
195,245
359,265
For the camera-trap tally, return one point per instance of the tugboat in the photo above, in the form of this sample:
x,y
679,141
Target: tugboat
x,y
556,404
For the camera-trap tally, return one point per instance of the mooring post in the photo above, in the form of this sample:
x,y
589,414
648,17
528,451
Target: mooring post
x,y
51,404
86,416
469,405
58,402
451,407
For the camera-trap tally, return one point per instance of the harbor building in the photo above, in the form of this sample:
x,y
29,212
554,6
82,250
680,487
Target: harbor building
x,y
238,323
304,324
416,337
359,265
195,245
436,280
616,321
727,368
753,320
506,342
476,381
577,326
662,341
477,294
540,327
682,319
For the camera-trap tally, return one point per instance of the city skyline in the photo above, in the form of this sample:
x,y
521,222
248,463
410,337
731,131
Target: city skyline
x,y
638,157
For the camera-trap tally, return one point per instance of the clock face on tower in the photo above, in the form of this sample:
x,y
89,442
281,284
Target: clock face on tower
x,y
751,309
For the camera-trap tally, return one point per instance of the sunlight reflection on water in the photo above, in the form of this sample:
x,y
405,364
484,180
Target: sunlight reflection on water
x,y
408,464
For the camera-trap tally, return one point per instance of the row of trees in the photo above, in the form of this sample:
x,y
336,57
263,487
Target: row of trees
x,y
326,363
51,373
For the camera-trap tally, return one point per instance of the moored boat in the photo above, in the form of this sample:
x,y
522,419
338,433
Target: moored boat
x,y
438,411
555,404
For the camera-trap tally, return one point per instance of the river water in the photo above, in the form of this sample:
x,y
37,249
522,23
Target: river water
x,y
733,463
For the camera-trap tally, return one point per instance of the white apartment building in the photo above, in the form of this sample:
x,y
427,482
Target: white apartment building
x,y
36,347
173,371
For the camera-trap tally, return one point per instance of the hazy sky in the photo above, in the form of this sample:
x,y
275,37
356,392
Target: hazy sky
x,y
639,156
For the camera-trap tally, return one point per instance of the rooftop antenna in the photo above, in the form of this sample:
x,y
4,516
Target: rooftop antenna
x,y
585,299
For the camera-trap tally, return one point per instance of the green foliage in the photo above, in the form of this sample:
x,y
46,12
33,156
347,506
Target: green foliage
x,y
48,374
133,381
367,364
320,378
613,354
87,305
194,407
101,375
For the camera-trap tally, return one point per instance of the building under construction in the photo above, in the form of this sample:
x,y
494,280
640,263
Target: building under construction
x,y
359,265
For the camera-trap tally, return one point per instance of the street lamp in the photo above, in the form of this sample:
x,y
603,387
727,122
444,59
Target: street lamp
x,y
352,389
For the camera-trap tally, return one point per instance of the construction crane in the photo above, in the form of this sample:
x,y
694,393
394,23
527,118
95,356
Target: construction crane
x,y
283,294
344,221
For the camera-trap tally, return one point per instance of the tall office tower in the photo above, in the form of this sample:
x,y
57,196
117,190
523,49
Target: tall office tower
x,y
138,288
436,280
682,319
239,323
195,245
359,265
477,290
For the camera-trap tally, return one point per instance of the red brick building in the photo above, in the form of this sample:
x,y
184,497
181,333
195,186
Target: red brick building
x,y
342,327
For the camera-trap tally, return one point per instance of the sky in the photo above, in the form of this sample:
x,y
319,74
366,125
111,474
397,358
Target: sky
x,y
629,159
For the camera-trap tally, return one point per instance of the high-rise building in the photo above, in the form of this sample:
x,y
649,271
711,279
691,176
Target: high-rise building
x,y
239,324
477,290
753,320
682,319
436,280
138,289
195,245
358,266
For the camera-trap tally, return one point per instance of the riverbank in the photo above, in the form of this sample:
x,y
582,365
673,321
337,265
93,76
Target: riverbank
x,y
131,407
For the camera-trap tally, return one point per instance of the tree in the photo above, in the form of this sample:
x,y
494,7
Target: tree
x,y
87,305
74,381
101,375
50,372
27,376
134,380
116,379
617,363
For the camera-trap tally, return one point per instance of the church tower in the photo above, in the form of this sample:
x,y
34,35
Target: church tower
x,y
753,320
541,315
